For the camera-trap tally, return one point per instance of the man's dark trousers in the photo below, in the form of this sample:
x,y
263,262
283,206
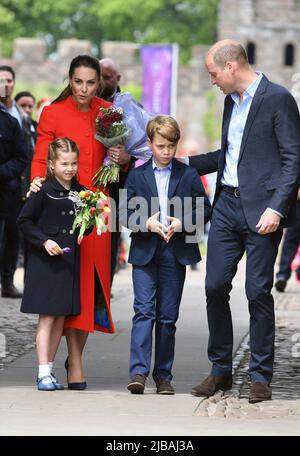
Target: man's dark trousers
x,y
229,238
158,287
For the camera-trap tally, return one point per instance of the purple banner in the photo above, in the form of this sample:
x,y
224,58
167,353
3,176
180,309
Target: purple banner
x,y
157,78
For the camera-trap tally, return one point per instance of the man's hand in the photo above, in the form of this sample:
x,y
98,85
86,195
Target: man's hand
x,y
35,185
119,155
154,225
268,222
52,248
175,226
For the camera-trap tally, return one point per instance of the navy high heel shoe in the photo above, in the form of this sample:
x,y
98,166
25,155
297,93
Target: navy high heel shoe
x,y
77,386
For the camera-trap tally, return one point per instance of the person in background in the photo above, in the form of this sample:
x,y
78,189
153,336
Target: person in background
x,y
40,105
26,101
11,242
290,246
13,159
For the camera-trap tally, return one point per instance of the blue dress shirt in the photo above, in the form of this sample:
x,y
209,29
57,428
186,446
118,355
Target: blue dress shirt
x,y
162,178
236,128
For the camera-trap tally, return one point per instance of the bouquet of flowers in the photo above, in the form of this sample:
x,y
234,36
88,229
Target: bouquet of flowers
x,y
135,118
90,210
123,123
111,131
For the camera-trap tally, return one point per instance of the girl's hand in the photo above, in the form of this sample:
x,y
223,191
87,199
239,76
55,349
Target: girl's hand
x,y
52,248
35,185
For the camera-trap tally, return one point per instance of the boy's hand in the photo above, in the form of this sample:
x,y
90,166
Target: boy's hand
x,y
154,225
52,248
174,227
35,185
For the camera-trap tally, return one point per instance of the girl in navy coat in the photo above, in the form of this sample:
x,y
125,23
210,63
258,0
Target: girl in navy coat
x,y
52,276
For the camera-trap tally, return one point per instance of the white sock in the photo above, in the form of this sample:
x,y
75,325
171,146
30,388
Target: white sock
x,y
50,367
44,370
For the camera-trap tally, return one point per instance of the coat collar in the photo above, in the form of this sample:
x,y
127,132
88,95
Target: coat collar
x,y
96,104
57,187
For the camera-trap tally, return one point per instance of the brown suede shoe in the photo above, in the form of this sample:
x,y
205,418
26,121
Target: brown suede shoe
x,y
211,385
11,292
137,384
260,392
164,387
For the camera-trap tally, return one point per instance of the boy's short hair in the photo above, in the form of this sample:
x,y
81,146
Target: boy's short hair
x,y
165,126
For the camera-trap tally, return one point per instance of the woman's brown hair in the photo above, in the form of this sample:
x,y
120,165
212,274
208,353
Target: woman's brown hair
x,y
80,61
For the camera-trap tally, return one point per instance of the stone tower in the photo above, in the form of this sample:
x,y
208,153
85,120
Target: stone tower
x,y
269,31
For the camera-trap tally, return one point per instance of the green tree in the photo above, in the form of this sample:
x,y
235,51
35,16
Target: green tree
x,y
186,22
212,119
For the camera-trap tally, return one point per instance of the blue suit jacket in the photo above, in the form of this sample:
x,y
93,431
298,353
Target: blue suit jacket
x,y
269,160
184,183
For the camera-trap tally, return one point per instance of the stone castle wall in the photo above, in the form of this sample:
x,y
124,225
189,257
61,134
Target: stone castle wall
x,y
269,25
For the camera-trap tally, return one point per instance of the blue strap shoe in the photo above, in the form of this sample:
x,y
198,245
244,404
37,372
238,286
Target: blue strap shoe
x,y
58,386
45,386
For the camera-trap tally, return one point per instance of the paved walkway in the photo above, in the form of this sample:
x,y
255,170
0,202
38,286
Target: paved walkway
x,y
107,409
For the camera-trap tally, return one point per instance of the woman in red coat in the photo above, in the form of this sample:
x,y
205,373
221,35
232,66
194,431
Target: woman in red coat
x,y
73,115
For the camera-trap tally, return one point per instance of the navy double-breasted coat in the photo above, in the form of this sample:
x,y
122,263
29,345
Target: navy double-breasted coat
x,y
52,285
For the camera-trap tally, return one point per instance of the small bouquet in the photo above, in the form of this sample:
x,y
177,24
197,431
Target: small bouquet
x,y
111,130
90,210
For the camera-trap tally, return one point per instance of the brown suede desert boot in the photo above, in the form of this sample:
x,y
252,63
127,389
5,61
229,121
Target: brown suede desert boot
x,y
137,384
164,387
260,392
211,385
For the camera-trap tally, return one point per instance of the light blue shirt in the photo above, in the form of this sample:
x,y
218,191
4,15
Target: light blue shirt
x,y
162,178
236,128
13,111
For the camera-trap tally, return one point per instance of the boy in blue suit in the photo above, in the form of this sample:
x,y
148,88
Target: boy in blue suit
x,y
160,205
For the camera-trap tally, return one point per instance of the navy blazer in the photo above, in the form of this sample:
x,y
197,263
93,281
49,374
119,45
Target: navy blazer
x,y
13,159
184,182
52,284
269,160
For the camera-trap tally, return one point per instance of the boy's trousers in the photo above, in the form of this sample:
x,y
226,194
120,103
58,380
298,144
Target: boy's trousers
x,y
158,288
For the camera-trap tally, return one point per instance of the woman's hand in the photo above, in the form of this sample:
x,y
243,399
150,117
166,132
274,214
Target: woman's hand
x,y
35,185
118,155
52,248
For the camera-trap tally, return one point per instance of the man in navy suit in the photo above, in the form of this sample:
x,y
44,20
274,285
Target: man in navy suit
x,y
161,206
258,169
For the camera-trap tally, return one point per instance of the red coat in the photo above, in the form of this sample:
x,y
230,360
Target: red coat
x,y
63,119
